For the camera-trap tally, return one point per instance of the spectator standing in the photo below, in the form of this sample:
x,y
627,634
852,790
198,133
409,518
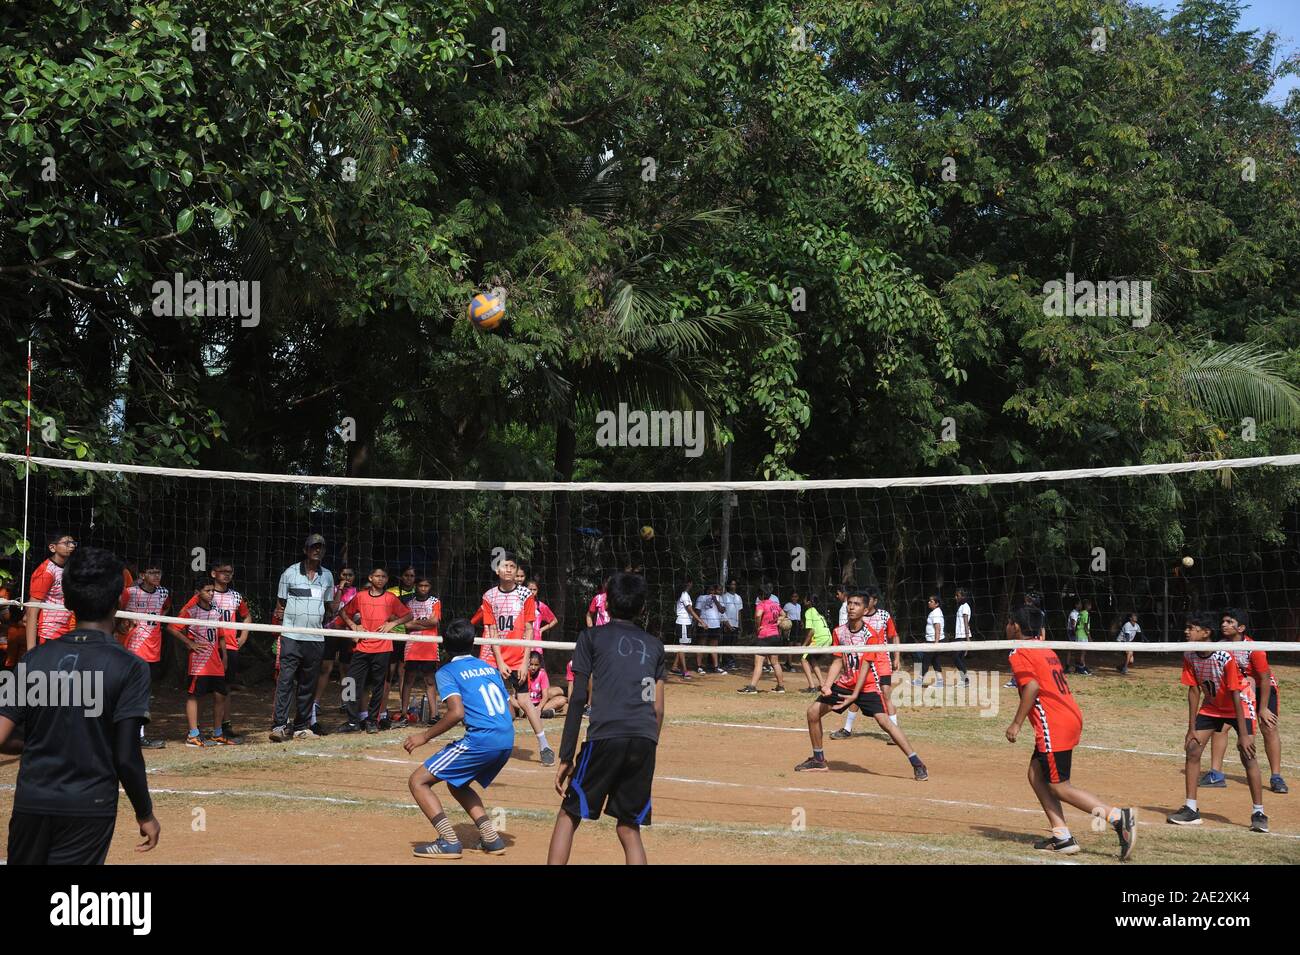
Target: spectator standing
x,y
305,598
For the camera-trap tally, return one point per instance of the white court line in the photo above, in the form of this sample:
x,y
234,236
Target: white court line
x,y
789,729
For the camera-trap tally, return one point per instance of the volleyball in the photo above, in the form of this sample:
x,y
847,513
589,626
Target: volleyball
x,y
647,533
486,309
1187,562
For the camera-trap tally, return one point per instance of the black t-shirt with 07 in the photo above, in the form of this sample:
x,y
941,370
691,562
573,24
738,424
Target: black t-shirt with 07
x,y
66,697
624,663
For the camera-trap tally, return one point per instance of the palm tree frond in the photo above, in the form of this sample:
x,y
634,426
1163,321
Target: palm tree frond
x,y
1241,380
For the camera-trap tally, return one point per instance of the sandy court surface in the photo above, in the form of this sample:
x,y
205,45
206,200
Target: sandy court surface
x,y
725,789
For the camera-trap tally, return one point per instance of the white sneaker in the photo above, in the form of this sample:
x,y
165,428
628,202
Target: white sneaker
x,y
304,734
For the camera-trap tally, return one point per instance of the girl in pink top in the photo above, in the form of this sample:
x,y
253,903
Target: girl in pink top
x,y
766,612
598,613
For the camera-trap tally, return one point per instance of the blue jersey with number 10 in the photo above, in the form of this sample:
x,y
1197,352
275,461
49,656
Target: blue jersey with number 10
x,y
488,723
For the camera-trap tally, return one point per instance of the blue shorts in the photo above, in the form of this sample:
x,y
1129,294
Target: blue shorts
x,y
460,764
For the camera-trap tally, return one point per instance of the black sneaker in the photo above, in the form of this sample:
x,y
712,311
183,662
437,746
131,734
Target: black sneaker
x,y
841,734
317,729
1126,829
748,689
147,743
920,773
349,727
228,732
1258,822
372,726
1065,847
1186,816
384,724
812,765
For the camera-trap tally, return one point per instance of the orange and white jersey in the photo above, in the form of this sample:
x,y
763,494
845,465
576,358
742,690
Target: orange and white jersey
x,y
1217,674
144,638
882,621
205,660
47,587
511,612
232,605
1255,663
854,660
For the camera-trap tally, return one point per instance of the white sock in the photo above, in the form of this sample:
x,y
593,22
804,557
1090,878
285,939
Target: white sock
x,y
1191,804
1258,809
541,740
849,720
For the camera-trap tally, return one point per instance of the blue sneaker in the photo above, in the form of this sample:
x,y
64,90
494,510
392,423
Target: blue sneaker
x,y
442,849
495,848
1277,784
1214,780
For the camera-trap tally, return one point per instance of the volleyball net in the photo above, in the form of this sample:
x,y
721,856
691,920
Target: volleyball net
x,y
1155,541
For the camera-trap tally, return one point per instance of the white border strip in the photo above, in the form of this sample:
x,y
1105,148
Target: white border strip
x,y
1018,477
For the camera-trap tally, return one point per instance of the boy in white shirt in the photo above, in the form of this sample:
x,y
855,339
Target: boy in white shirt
x,y
933,634
1127,634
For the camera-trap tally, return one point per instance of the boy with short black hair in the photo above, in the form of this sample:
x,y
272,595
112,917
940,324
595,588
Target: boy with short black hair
x,y
207,663
1218,695
380,611
421,658
233,606
509,610
1058,723
615,770
144,637
1254,667
46,586
854,680
474,694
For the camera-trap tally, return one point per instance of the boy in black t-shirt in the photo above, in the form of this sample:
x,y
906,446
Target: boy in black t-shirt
x,y
615,770
81,737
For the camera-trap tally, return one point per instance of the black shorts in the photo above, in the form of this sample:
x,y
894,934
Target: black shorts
x,y
340,647
887,679
870,704
613,776
714,633
1216,723
1272,702
155,671
59,840
421,666
1056,766
203,685
399,653
232,665
766,642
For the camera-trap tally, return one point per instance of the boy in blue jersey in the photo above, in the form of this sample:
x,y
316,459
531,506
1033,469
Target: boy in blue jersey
x,y
474,693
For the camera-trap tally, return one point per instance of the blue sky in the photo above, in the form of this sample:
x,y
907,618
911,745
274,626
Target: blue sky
x,y
1280,16
1283,18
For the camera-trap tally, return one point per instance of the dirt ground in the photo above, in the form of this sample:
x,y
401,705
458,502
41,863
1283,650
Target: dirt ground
x,y
725,788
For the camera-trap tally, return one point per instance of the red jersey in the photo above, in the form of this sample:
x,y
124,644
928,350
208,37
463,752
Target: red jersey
x,y
882,621
854,661
1055,716
1255,663
1218,675
428,609
375,612
206,659
512,613
232,605
144,637
47,587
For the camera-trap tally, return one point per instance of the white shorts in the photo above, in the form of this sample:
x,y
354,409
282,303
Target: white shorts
x,y
684,633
